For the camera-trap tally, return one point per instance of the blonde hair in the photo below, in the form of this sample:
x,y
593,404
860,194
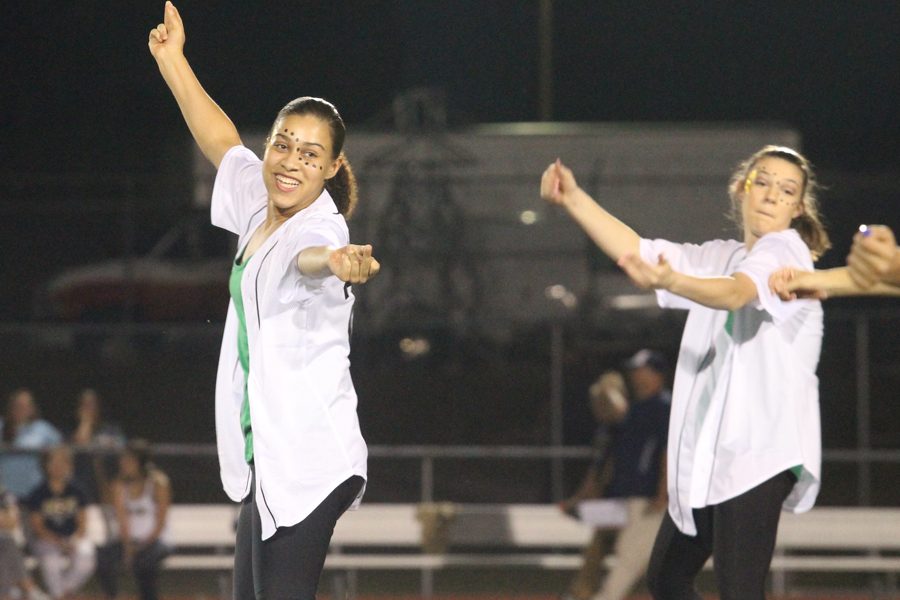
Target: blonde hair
x,y
809,222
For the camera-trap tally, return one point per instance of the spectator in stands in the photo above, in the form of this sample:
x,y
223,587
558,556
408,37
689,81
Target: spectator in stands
x,y
58,525
141,495
609,406
96,438
630,465
92,426
15,582
23,429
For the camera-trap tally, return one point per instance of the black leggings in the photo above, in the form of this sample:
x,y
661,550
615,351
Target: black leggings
x,y
287,565
739,533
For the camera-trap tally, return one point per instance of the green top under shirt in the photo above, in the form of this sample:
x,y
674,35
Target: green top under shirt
x,y
234,287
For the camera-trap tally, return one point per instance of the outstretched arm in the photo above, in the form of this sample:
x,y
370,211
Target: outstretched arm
x,y
611,235
791,284
351,263
212,129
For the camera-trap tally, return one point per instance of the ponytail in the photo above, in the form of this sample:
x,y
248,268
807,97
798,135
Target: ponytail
x,y
812,231
342,188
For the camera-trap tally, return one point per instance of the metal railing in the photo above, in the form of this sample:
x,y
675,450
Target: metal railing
x,y
427,457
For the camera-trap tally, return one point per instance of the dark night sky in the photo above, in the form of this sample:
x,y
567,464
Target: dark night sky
x,y
81,92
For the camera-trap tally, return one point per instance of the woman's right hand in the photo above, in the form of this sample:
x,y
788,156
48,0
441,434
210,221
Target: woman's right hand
x,y
353,263
557,183
167,38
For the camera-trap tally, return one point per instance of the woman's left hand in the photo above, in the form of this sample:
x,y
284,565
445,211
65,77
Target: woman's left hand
x,y
353,263
645,275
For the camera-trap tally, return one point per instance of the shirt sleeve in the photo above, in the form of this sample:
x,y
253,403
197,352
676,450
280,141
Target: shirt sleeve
x,y
319,230
238,190
770,253
696,260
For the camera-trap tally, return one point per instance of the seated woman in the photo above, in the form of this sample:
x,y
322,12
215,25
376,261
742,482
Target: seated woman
x,y
141,497
58,524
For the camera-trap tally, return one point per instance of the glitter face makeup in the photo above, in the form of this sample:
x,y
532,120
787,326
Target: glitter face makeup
x,y
773,193
787,189
750,177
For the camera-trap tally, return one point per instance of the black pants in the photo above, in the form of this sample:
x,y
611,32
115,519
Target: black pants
x,y
739,534
145,566
287,565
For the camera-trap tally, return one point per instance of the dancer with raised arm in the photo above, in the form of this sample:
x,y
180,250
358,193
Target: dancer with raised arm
x,y
744,436
289,441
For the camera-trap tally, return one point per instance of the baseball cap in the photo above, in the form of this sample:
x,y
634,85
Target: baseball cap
x,y
648,358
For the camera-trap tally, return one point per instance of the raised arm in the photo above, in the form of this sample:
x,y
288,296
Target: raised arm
x,y
611,235
212,129
622,244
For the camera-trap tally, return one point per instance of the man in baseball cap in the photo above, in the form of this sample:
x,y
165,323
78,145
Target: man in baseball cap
x,y
632,470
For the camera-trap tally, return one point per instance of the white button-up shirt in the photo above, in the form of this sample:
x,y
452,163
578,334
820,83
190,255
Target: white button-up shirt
x,y
306,435
745,403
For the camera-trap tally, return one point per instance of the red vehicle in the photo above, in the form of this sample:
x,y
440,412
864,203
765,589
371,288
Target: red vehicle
x,y
184,277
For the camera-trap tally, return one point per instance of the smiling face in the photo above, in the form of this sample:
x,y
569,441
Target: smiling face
x,y
299,158
772,196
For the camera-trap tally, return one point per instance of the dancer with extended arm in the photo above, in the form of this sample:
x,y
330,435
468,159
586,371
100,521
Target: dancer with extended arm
x,y
744,436
290,447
